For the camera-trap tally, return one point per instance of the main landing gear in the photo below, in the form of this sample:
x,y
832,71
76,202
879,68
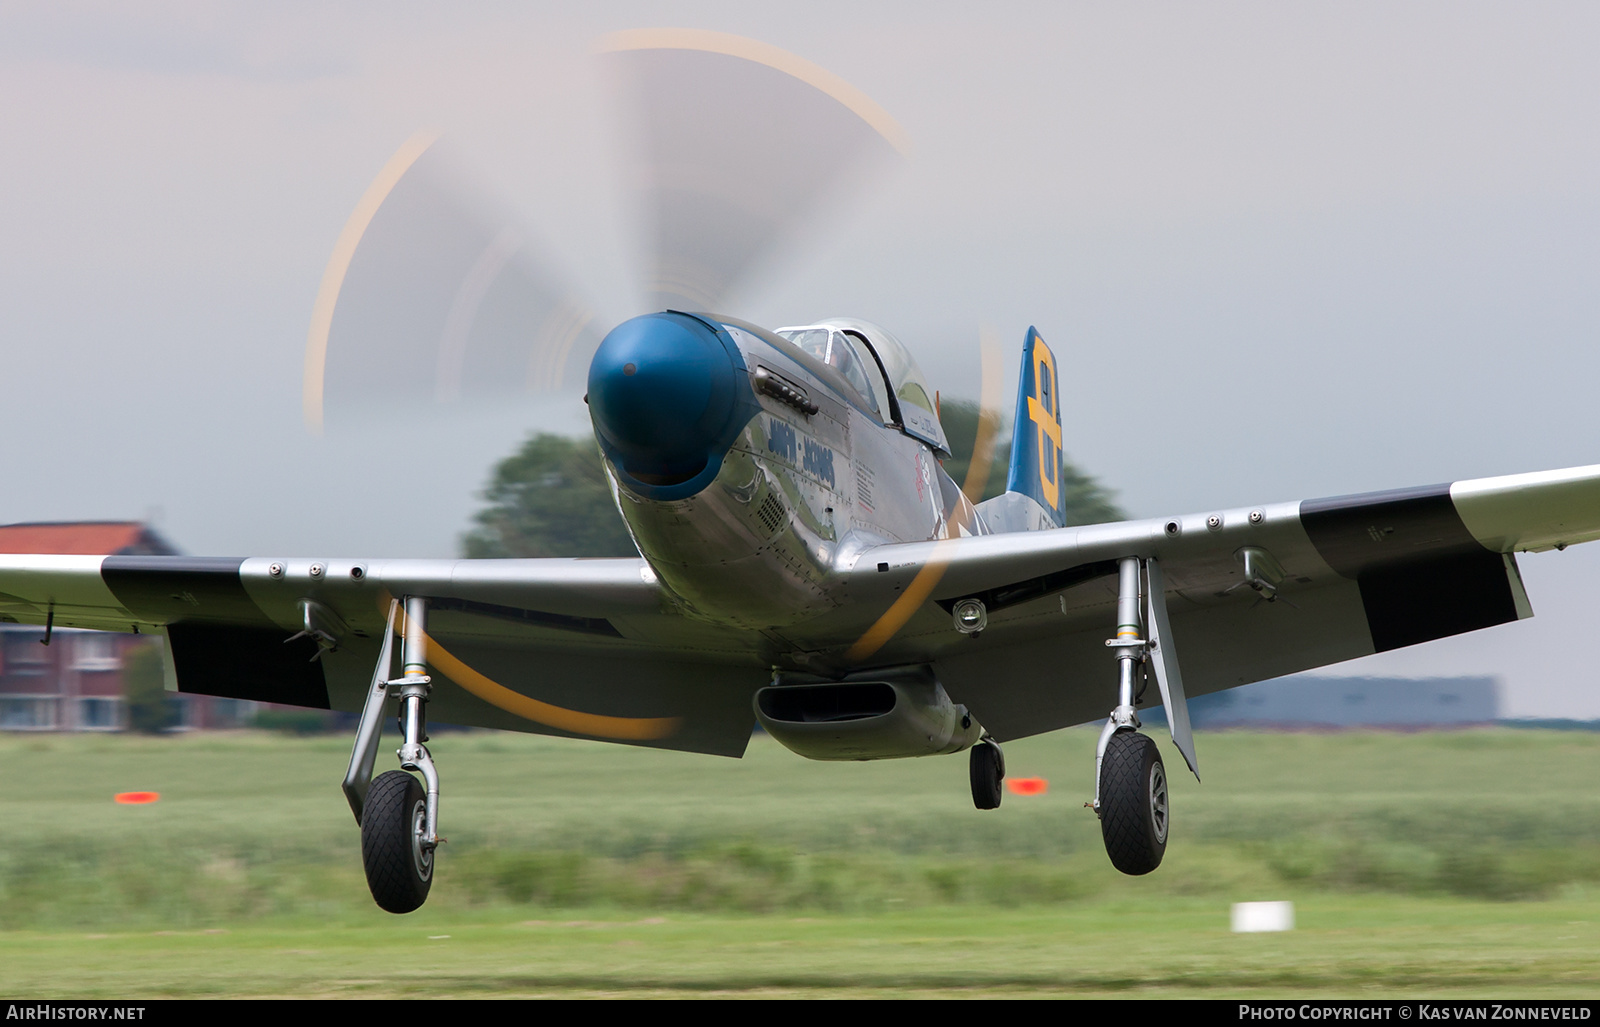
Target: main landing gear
x,y
399,820
1130,780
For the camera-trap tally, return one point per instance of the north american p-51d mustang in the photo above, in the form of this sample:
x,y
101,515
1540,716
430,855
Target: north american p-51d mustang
x,y
804,560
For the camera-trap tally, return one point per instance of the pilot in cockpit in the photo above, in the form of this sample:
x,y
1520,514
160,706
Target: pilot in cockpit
x,y
837,350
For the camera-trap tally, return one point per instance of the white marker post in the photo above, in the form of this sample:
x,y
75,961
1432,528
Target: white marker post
x,y
1250,917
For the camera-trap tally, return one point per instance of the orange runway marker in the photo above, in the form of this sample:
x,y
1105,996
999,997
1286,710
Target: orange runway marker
x,y
136,798
1027,785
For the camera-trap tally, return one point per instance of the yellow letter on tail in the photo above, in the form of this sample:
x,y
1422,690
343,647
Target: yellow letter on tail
x,y
1042,412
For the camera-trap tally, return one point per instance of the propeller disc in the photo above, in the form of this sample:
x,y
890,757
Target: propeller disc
x,y
436,294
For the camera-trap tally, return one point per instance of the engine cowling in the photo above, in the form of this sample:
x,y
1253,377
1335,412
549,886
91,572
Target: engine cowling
x,y
895,716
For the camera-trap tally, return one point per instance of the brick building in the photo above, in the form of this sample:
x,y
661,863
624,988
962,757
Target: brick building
x,y
75,683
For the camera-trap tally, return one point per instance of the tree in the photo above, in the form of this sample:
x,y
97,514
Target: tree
x,y
550,498
1085,500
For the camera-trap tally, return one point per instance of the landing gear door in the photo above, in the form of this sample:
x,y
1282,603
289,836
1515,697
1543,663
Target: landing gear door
x,y
1165,661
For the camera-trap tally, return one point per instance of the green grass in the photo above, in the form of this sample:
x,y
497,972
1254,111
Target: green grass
x,y
1432,863
1349,946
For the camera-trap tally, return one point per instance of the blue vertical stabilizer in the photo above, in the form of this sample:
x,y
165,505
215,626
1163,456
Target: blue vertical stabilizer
x,y
1036,432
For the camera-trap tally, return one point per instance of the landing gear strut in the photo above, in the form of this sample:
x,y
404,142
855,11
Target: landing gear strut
x,y
399,820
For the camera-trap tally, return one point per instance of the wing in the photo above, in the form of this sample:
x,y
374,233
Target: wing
x,y
1354,575
597,649
592,648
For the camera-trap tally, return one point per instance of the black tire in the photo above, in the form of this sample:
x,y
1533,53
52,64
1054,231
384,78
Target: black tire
x,y
1134,810
399,872
988,768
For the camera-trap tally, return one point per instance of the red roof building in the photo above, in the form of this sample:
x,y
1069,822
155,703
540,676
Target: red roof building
x,y
84,538
75,683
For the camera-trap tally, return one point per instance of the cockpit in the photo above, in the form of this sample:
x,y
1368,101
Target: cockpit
x,y
845,354
879,368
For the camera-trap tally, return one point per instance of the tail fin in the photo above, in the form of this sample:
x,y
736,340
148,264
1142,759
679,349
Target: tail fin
x,y
1036,432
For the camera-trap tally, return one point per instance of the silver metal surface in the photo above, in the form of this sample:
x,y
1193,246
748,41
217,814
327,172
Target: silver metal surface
x,y
414,687
757,549
1262,571
1131,648
421,849
321,625
1164,661
901,713
1130,640
358,777
414,657
1159,810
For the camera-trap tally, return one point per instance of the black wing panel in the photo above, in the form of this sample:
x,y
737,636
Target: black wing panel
x,y
172,589
240,662
1422,573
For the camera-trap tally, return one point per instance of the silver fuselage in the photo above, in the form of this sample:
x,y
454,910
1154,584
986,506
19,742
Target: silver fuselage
x,y
799,496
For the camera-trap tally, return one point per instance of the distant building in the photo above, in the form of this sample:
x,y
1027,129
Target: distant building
x,y
1308,701
84,538
75,683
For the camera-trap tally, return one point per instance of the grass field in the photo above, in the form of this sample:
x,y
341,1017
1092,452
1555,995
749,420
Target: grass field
x,y
1433,864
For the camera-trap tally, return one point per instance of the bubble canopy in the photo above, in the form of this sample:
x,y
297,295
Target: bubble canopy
x,y
867,355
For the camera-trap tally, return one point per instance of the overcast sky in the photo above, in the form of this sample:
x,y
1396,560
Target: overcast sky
x,y
1283,251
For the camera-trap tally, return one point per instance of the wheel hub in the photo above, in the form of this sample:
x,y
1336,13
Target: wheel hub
x,y
421,853
1158,801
